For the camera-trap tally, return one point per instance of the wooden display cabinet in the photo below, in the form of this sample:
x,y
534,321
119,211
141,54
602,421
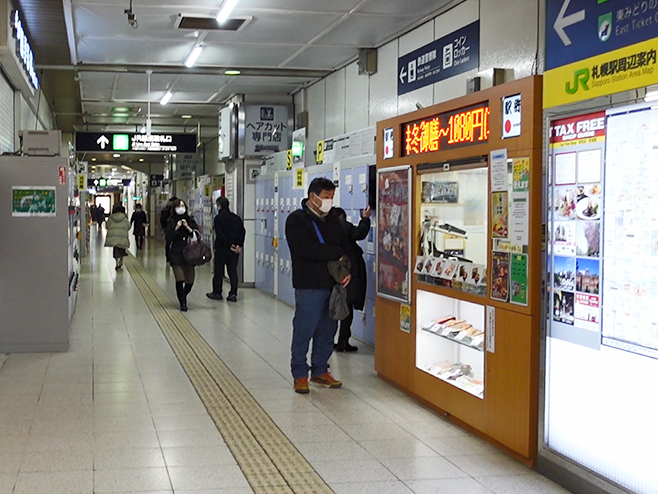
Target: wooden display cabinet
x,y
461,135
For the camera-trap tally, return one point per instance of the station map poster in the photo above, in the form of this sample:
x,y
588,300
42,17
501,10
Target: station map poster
x,y
394,233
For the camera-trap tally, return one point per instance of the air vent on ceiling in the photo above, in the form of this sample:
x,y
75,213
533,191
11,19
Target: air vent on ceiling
x,y
185,21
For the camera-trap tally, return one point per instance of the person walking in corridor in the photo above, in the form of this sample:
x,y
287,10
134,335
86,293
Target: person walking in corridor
x,y
139,222
314,239
117,234
180,225
356,290
229,240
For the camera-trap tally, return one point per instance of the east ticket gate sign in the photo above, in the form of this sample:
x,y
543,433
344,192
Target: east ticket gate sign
x,y
444,58
126,142
599,48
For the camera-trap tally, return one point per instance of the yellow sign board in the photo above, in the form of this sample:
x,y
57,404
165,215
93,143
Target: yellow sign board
x,y
82,181
299,179
289,160
319,156
620,70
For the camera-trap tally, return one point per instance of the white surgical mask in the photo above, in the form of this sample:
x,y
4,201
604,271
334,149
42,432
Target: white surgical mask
x,y
326,205
180,210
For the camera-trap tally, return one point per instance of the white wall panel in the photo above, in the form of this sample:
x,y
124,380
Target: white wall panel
x,y
462,15
383,84
315,100
508,37
452,88
6,116
356,98
335,104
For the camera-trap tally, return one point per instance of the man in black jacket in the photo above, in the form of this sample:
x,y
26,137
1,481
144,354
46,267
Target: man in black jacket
x,y
314,238
356,291
229,239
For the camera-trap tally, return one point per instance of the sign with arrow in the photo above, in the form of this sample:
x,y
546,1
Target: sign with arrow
x,y
97,142
581,29
453,54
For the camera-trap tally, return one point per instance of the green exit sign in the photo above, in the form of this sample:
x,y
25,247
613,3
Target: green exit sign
x,y
121,142
297,149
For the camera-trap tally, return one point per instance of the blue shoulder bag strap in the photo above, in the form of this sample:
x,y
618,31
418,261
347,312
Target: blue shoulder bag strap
x,y
317,230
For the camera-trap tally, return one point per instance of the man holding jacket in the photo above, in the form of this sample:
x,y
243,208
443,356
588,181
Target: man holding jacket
x,y
229,239
314,239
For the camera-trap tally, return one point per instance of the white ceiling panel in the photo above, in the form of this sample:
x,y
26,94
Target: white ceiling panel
x,y
364,30
299,5
248,56
414,8
323,57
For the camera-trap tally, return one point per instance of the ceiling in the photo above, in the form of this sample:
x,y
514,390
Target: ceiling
x,y
93,63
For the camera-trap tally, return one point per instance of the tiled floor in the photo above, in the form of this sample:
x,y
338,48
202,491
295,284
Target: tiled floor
x,y
117,413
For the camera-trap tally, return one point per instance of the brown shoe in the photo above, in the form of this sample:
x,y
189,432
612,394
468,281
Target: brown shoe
x,y
326,379
301,385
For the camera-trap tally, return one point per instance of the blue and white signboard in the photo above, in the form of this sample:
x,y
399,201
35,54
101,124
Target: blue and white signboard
x,y
453,54
580,29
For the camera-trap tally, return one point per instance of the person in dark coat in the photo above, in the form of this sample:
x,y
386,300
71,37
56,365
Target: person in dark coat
x,y
314,238
356,290
164,217
180,226
229,240
139,223
100,216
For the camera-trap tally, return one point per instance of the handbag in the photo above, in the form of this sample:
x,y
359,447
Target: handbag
x,y
196,253
338,308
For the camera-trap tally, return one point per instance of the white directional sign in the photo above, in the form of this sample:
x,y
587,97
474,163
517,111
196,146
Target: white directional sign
x,y
563,21
102,141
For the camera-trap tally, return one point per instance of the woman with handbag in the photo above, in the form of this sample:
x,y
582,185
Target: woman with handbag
x,y
117,234
180,225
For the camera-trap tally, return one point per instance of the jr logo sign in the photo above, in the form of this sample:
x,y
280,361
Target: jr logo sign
x,y
580,78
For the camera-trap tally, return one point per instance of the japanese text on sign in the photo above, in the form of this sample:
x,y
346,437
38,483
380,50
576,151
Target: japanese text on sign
x,y
452,129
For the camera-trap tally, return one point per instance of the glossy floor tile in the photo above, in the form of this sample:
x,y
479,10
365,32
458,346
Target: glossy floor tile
x,y
118,414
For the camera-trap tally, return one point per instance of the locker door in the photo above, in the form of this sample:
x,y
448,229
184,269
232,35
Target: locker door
x,y
345,189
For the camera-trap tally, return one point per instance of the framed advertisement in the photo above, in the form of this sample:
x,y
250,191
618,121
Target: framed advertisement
x,y
394,233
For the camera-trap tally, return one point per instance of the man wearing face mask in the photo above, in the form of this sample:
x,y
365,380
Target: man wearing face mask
x,y
314,239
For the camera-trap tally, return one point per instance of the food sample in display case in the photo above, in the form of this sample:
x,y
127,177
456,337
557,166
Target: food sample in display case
x,y
453,219
450,341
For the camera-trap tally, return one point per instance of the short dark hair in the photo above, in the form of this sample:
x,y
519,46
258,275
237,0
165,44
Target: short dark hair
x,y
338,212
118,208
222,202
319,184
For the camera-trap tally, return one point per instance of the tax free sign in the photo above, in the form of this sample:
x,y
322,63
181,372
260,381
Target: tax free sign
x,y
599,47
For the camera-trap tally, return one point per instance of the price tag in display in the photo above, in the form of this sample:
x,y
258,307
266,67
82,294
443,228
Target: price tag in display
x,y
490,330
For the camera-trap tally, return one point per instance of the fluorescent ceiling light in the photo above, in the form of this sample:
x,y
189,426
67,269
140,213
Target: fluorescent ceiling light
x,y
121,109
226,10
232,72
141,159
116,156
193,56
93,159
165,99
186,116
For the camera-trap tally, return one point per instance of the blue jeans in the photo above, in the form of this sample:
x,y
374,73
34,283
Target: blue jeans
x,y
312,322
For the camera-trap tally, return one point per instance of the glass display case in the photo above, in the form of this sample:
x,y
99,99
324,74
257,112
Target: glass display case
x,y
453,222
450,340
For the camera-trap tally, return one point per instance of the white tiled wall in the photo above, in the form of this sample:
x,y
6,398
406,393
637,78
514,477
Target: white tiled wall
x,y
346,101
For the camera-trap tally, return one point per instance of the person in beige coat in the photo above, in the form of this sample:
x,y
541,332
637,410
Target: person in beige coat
x,y
117,234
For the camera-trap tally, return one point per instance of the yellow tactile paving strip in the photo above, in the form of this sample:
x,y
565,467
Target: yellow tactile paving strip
x,y
268,459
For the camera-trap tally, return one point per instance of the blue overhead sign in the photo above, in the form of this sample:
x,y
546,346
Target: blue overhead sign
x,y
580,29
453,54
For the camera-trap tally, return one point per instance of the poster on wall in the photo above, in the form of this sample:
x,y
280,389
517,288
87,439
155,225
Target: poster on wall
x,y
394,233
34,201
500,276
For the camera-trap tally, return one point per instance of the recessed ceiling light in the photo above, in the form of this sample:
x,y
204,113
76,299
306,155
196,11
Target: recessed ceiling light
x,y
116,155
186,116
165,99
121,109
232,72
93,159
141,159
121,114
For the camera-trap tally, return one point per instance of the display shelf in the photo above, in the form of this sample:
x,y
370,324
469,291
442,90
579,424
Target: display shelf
x,y
452,360
469,344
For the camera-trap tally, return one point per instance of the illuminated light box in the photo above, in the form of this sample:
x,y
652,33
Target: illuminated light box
x,y
460,128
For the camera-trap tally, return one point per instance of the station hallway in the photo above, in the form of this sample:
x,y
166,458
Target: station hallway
x,y
152,400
